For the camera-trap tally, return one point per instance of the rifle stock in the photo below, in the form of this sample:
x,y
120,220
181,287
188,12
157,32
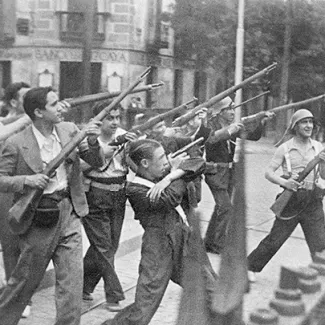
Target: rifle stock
x,y
188,116
283,199
21,213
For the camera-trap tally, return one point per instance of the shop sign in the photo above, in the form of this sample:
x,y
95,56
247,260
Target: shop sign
x,y
58,54
109,56
13,54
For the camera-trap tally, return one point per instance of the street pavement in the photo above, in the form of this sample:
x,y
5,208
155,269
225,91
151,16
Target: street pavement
x,y
260,195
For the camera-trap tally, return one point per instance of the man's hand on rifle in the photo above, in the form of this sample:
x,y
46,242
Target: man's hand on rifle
x,y
175,162
155,192
92,130
64,106
130,136
235,128
267,116
292,184
202,113
38,181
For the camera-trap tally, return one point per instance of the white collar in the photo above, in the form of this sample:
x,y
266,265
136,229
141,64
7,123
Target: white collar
x,y
40,137
146,182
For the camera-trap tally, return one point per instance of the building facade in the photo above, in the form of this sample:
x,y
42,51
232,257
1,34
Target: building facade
x,y
42,42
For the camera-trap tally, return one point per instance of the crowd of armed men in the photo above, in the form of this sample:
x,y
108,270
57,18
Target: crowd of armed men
x,y
89,187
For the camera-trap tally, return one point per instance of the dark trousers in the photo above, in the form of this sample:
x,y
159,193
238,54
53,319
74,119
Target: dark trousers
x,y
312,224
215,236
9,241
161,260
103,227
63,244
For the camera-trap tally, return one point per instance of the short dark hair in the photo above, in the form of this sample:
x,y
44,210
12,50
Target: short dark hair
x,y
98,107
142,149
11,91
35,98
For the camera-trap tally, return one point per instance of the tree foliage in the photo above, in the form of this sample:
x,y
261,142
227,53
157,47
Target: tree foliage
x,y
206,30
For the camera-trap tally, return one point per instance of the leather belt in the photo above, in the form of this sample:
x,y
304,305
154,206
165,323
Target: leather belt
x,y
108,187
108,180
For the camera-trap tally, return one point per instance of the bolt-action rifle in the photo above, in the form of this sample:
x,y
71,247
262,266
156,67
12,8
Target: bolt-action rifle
x,y
260,115
153,121
22,212
188,116
107,95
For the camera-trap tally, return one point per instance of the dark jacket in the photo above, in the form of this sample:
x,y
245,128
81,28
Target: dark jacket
x,y
162,214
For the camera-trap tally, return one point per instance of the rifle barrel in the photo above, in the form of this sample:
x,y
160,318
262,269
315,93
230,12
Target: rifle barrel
x,y
187,147
252,117
106,95
297,104
186,117
156,119
251,99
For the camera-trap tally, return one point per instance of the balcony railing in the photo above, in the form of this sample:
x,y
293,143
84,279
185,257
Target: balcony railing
x,y
72,25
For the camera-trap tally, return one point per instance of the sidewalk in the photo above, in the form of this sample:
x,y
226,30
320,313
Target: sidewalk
x,y
260,195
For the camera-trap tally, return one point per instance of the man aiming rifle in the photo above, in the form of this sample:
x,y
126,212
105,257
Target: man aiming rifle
x,y
41,165
55,230
165,224
220,150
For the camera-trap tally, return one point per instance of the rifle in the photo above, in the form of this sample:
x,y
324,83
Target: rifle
x,y
251,99
153,121
250,120
282,203
187,147
106,95
260,115
188,116
22,212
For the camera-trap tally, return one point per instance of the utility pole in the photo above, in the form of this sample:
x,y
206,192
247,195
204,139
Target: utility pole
x,y
88,10
282,117
239,55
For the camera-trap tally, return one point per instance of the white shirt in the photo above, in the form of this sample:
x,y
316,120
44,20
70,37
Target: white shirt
x,y
50,147
116,165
